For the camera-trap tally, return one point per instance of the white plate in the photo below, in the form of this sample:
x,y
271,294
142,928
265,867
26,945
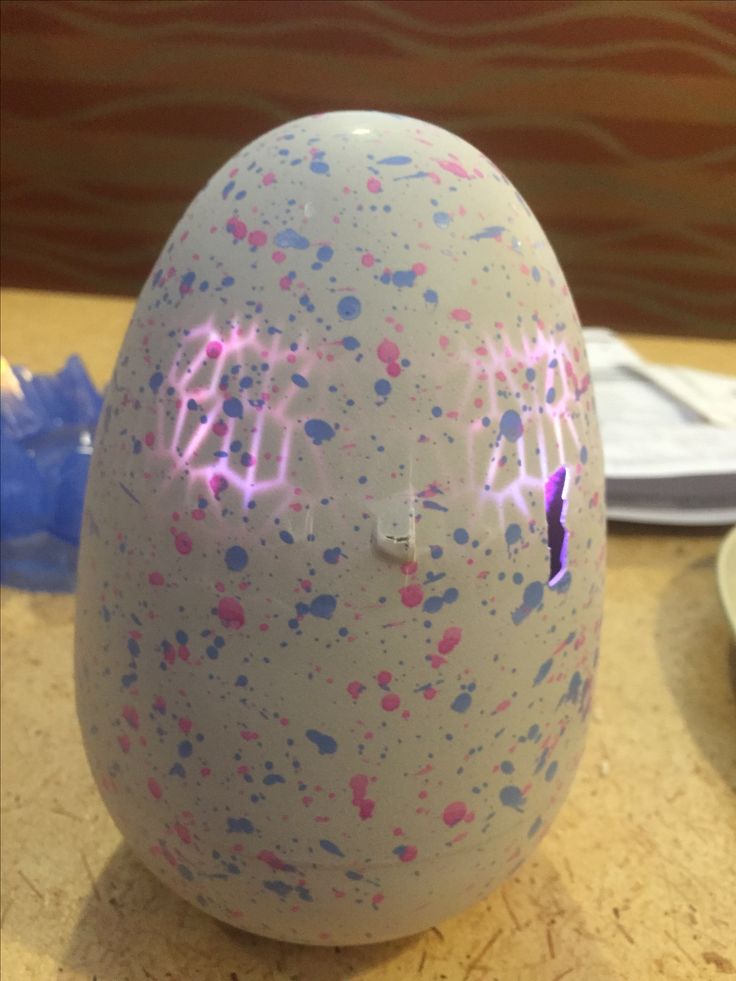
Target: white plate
x,y
726,572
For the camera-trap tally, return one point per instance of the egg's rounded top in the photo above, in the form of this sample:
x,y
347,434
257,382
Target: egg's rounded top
x,y
371,304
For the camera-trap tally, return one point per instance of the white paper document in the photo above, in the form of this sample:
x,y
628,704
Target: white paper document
x,y
669,436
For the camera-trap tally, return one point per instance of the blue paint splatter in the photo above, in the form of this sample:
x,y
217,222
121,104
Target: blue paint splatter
x,y
300,380
513,534
549,773
185,286
492,231
331,847
227,188
349,307
185,749
282,889
332,555
462,702
511,425
323,606
573,690
155,381
543,671
403,277
286,537
533,594
430,296
441,219
433,604
461,536
318,431
324,253
288,238
382,387
239,826
512,796
236,558
537,824
394,161
325,744
350,343
233,408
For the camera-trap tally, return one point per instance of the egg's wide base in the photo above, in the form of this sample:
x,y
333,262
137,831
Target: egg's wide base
x,y
409,904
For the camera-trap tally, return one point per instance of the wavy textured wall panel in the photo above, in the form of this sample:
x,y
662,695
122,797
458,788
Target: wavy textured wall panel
x,y
615,118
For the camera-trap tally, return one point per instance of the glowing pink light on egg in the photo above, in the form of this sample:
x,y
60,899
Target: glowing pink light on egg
x,y
199,380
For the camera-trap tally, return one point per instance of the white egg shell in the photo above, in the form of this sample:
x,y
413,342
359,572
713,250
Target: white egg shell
x,y
341,577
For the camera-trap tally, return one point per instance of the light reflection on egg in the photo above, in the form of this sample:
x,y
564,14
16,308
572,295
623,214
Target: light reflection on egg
x,y
341,577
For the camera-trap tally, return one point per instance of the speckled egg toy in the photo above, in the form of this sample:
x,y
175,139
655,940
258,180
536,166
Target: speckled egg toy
x,y
341,577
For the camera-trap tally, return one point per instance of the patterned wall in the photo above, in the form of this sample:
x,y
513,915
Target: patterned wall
x,y
615,119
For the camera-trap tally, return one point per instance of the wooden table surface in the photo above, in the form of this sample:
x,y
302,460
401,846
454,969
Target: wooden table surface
x,y
636,880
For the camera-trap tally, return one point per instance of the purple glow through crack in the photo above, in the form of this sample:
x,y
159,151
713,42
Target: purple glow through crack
x,y
210,397
555,507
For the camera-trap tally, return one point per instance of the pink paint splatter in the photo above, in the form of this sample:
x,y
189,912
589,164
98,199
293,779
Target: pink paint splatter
x,y
450,639
453,167
154,788
156,579
237,228
406,853
217,484
355,689
257,238
388,351
374,185
390,702
268,179
411,595
367,260
359,787
183,543
213,349
461,314
230,613
130,714
454,813
274,861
